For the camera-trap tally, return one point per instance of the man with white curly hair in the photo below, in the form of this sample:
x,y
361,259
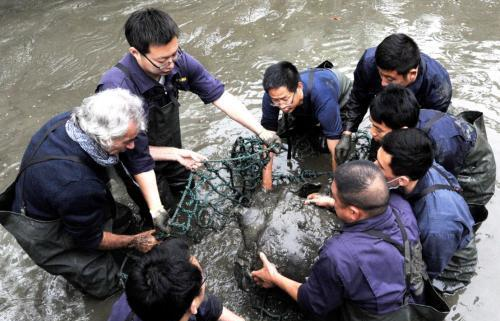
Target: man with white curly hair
x,y
61,209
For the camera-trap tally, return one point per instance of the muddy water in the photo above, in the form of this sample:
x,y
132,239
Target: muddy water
x,y
52,53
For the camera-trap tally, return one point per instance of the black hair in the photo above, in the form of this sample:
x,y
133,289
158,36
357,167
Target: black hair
x,y
411,151
281,74
163,283
397,52
149,27
362,184
396,107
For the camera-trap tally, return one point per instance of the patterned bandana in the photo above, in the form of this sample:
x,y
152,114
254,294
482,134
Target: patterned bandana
x,y
90,146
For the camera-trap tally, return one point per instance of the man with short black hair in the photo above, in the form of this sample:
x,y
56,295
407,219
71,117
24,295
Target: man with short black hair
x,y
156,68
347,274
460,147
397,60
310,101
168,284
444,219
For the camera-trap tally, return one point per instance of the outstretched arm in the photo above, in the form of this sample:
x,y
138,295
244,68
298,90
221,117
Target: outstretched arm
x,y
235,109
269,277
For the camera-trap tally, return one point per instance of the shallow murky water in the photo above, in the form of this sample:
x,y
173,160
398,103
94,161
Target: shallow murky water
x,y
52,54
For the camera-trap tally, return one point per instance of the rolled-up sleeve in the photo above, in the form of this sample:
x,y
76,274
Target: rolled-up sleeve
x,y
138,160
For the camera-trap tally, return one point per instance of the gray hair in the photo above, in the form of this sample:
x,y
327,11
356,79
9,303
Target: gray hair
x,y
105,116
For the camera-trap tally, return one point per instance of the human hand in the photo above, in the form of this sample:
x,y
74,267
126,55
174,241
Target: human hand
x,y
343,148
160,219
144,241
271,140
265,276
319,200
189,159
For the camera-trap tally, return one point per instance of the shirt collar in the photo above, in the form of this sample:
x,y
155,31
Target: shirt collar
x,y
140,78
378,222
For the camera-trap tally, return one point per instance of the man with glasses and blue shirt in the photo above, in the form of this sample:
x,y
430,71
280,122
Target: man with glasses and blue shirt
x,y
155,68
310,102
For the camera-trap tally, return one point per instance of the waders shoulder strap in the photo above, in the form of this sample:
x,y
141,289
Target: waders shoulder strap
x,y
33,161
128,74
403,249
436,187
306,103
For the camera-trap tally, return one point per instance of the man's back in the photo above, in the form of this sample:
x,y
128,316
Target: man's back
x,y
453,138
349,266
63,189
443,218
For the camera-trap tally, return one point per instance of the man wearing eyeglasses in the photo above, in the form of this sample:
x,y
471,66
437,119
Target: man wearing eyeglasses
x,y
310,102
169,284
155,68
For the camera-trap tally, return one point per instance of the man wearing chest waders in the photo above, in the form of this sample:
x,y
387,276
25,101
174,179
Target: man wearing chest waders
x,y
60,209
373,269
460,142
443,217
155,68
396,60
310,102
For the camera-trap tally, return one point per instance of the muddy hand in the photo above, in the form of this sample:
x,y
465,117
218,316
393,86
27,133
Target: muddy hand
x,y
144,241
189,159
319,200
265,276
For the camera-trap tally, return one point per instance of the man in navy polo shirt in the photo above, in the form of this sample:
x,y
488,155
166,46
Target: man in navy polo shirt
x,y
310,101
348,273
397,60
155,68
460,143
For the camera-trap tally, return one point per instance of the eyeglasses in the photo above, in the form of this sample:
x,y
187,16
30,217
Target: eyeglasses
x,y
283,102
168,60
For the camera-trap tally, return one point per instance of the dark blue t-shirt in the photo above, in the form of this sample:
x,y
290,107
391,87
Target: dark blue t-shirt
x,y
453,138
188,75
322,103
357,267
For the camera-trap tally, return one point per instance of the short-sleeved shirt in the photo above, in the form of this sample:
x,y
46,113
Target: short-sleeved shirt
x,y
432,88
453,138
349,266
188,75
74,192
209,310
322,103
443,217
